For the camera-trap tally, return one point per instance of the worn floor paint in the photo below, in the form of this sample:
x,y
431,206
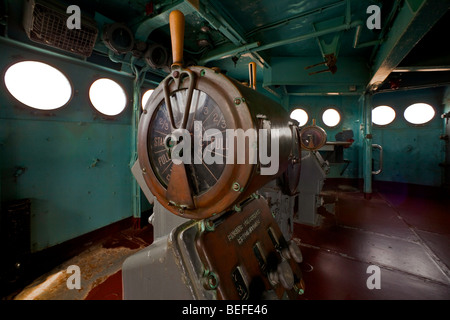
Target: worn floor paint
x,y
406,236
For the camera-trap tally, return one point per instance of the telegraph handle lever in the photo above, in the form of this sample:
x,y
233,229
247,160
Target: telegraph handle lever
x,y
176,20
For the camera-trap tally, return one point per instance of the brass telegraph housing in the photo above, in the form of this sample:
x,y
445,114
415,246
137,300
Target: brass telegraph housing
x,y
200,95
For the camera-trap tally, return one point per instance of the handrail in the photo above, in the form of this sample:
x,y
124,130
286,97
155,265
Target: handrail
x,y
377,146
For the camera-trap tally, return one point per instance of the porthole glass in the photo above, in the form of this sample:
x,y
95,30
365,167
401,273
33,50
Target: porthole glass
x,y
38,85
146,97
301,116
108,97
331,118
383,115
419,113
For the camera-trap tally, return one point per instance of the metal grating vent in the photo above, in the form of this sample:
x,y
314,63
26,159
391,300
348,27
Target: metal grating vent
x,y
47,25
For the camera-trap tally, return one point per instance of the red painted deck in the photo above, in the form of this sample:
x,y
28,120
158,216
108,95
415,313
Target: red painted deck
x,y
402,230
406,234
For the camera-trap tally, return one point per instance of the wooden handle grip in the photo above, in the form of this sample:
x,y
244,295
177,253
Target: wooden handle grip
x,y
176,20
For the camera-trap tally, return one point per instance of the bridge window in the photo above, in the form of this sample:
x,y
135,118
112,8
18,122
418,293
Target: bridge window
x,y
301,116
331,117
419,113
383,115
108,97
38,85
146,97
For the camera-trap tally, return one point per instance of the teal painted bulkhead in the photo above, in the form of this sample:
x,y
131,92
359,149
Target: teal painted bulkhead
x,y
72,163
412,153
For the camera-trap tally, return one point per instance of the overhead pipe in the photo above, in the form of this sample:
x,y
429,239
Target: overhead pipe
x,y
315,34
244,49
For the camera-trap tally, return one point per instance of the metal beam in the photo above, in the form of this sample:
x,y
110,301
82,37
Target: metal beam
x,y
143,28
332,47
213,12
414,20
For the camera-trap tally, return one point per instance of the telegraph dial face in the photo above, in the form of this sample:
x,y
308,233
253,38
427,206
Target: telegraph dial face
x,y
204,115
313,138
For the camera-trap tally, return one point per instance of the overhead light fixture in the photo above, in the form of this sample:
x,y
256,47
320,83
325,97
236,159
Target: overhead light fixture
x,y
422,69
157,57
118,37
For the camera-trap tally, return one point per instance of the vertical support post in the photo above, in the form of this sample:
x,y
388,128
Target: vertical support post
x,y
136,194
367,145
138,81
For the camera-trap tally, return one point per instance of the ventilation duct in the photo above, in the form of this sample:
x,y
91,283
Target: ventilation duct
x,y
46,23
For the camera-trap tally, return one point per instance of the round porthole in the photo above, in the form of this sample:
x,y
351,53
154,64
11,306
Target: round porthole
x,y
38,85
383,115
108,97
331,118
301,116
419,113
146,97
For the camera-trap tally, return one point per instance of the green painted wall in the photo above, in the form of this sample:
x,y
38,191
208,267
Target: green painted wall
x,y
412,153
72,192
